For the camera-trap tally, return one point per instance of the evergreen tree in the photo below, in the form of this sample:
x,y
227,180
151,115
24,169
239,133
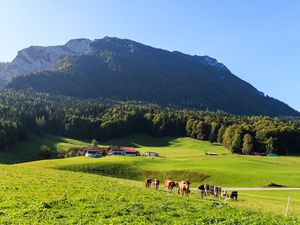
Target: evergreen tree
x,y
214,132
3,139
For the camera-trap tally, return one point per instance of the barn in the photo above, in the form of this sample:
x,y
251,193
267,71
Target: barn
x,y
123,151
95,152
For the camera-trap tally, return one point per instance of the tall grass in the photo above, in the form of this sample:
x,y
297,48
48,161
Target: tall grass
x,y
126,171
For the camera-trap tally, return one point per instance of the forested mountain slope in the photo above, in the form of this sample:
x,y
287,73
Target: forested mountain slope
x,y
26,113
126,70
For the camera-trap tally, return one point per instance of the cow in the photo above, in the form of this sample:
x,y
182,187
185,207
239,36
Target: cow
x,y
155,183
217,191
148,183
206,189
202,190
169,185
234,195
184,188
211,189
224,194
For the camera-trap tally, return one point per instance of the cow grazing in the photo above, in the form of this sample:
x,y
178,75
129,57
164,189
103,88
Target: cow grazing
x,y
184,188
224,194
217,191
155,183
148,183
234,195
202,190
206,189
211,189
169,185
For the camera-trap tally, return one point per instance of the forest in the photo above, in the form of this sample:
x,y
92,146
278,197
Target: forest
x,y
27,113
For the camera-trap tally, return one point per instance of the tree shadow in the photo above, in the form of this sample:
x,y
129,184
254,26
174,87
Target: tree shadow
x,y
139,140
28,151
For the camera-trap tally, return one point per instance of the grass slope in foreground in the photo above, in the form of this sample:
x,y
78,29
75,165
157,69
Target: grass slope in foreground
x,y
46,196
187,155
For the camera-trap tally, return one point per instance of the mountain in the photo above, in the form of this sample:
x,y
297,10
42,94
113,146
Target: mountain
x,y
37,58
3,66
126,70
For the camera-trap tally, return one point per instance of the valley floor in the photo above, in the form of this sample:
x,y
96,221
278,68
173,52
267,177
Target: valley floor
x,y
74,190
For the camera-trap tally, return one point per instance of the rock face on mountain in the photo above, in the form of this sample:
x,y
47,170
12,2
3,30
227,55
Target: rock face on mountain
x,y
37,58
3,66
126,70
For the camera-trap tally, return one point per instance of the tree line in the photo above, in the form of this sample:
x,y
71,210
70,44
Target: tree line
x,y
26,113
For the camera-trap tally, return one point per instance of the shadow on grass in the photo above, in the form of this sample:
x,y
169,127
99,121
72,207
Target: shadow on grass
x,y
138,140
28,151
10,158
125,171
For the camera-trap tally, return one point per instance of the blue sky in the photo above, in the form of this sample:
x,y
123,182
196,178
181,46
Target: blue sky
x,y
259,41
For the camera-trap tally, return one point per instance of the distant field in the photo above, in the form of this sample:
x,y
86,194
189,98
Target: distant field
x,y
180,158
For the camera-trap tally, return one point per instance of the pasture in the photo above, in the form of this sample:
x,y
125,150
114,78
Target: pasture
x,y
44,187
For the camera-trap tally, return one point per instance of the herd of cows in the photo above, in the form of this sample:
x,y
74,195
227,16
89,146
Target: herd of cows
x,y
183,188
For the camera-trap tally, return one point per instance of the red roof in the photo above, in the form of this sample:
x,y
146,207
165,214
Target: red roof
x,y
128,149
125,149
95,149
114,148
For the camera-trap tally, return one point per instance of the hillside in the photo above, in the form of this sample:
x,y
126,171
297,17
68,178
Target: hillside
x,y
126,70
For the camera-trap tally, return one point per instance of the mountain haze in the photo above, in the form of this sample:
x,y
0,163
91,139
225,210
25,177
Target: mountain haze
x,y
126,70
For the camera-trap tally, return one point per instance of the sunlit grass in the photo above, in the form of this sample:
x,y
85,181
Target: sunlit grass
x,y
44,182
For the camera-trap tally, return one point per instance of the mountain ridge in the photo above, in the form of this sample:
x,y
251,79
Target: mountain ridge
x,y
127,70
35,58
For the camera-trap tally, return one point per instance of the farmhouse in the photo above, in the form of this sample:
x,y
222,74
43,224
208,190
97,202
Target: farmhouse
x,y
95,152
124,151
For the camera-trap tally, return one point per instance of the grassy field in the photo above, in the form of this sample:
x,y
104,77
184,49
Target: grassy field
x,y
46,196
44,188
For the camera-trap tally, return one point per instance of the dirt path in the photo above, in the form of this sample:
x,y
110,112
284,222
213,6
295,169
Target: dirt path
x,y
256,189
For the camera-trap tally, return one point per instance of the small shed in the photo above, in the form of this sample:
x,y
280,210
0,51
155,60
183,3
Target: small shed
x,y
153,154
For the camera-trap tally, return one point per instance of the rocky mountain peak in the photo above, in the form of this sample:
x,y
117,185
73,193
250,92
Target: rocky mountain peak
x,y
36,58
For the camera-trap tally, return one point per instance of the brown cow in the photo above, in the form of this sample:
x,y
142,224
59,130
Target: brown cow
x,y
148,183
184,188
169,185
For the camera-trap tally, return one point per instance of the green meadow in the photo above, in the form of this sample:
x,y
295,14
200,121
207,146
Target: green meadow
x,y
110,190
